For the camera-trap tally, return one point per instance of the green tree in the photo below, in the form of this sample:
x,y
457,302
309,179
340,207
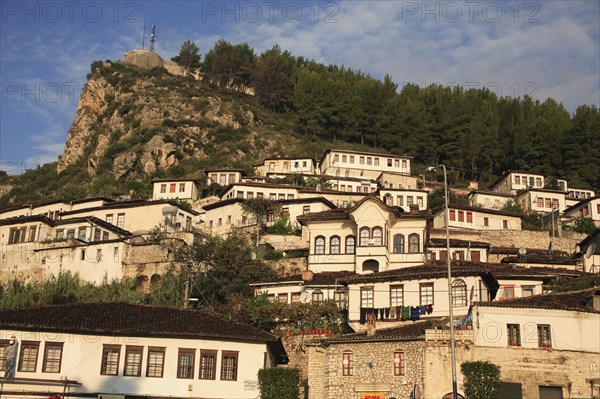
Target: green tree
x,y
279,383
229,66
189,55
482,379
272,79
584,225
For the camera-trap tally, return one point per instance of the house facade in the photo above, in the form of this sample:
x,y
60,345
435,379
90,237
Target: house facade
x,y
512,182
170,189
587,208
542,200
246,190
404,198
473,251
299,166
368,237
362,164
126,349
473,218
224,177
489,200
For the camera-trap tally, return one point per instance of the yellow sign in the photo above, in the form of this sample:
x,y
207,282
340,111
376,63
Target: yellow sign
x,y
372,395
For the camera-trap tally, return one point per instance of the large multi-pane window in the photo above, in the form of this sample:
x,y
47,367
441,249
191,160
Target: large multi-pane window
x,y
377,236
413,243
334,245
208,364
366,297
52,357
110,360
185,363
350,244
229,366
319,245
364,236
347,364
514,334
133,361
156,362
398,363
121,220
459,293
29,355
544,336
396,295
426,294
398,244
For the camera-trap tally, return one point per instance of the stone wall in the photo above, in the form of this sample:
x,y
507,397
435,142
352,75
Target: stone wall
x,y
373,370
516,239
283,242
289,267
529,367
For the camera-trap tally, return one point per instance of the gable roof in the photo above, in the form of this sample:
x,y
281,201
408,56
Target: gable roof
x,y
575,300
53,223
441,242
125,319
318,279
130,204
481,210
581,203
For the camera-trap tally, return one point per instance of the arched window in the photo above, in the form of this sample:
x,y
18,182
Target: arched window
x,y
388,199
459,293
334,245
399,244
317,296
319,245
377,236
413,243
364,236
350,243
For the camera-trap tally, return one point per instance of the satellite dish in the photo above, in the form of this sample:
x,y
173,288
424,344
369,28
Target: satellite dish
x,y
590,250
522,251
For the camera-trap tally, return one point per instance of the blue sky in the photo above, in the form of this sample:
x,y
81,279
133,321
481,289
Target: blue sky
x,y
541,48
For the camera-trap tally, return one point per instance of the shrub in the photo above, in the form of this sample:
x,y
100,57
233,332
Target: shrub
x,y
482,379
279,383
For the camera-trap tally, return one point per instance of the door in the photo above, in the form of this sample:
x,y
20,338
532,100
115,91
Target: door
x,y
551,392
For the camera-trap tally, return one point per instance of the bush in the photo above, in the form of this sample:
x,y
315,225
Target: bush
x,y
583,225
279,383
482,379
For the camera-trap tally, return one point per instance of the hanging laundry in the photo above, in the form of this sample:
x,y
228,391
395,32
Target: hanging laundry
x,y
387,313
422,310
414,313
399,312
429,309
363,315
381,313
405,313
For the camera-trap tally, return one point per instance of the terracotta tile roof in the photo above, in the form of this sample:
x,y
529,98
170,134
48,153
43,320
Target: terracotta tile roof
x,y
581,203
130,319
410,330
436,242
482,210
543,259
515,250
575,300
325,278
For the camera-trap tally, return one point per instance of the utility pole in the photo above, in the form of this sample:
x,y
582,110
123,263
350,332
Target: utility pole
x,y
186,294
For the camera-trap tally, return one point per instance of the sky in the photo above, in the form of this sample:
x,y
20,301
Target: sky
x,y
537,48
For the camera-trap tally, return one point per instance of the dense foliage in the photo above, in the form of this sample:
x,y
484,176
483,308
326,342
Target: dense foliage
x,y
279,383
482,379
580,283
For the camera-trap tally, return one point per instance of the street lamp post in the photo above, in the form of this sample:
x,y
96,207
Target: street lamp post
x,y
448,265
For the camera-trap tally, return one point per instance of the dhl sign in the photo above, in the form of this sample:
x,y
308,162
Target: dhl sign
x,y
372,395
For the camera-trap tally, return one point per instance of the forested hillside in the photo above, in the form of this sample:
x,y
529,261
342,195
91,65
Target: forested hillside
x,y
148,124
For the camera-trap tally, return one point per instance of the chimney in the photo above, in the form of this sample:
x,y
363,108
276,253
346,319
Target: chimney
x,y
370,325
414,209
307,275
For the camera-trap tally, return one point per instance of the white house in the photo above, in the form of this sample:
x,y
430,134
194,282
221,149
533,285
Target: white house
x,y
474,251
542,200
368,237
513,181
362,164
588,250
224,176
247,190
404,198
51,209
473,218
170,189
587,208
125,349
284,166
489,200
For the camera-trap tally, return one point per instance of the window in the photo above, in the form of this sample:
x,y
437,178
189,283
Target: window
x,y
544,336
104,235
334,245
295,297
517,179
240,194
81,233
404,164
409,200
376,161
163,188
555,203
121,220
208,364
507,292
222,179
369,161
172,187
452,215
364,236
281,196
82,254
59,235
400,199
426,294
398,244
351,158
344,158
336,158
396,295
185,363
459,293
156,362
231,178
97,234
505,224
475,256
228,219
548,202
305,209
249,195
181,187
361,160
214,177
317,296
514,334
260,195
347,366
532,181
461,216
28,357
133,361
32,231
219,222
377,236
527,290
398,363
52,357
340,298
229,365
110,360
486,222
396,163
389,163
350,243
469,217
319,245
413,243
538,181
420,202
540,202
366,297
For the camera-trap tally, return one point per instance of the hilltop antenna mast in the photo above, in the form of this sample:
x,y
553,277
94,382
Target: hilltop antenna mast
x,y
144,35
152,35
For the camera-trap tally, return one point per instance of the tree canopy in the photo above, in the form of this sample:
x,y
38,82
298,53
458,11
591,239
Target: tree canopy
x,y
189,55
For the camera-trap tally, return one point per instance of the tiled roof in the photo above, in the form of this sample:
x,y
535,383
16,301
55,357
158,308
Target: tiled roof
x,y
129,204
129,319
581,203
410,330
436,242
50,222
515,250
481,210
541,258
495,194
324,278
575,300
